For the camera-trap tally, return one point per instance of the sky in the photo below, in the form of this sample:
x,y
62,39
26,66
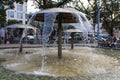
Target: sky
x,y
31,8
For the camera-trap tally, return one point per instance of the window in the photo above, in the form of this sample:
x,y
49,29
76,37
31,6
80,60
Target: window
x,y
20,7
19,15
11,14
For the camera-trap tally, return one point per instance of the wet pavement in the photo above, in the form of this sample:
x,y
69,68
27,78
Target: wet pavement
x,y
114,75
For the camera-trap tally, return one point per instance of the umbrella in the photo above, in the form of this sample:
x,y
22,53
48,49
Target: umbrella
x,y
73,31
20,26
65,13
61,15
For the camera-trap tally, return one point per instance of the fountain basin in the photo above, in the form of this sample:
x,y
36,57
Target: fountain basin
x,y
82,61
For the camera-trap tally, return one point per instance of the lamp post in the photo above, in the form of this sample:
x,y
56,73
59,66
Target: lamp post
x,y
98,27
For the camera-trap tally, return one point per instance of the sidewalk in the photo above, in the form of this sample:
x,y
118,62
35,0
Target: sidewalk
x,y
5,46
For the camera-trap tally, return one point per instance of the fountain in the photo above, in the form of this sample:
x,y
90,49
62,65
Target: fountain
x,y
60,16
73,31
80,61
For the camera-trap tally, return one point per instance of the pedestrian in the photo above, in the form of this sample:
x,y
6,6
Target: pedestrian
x,y
2,35
9,37
114,42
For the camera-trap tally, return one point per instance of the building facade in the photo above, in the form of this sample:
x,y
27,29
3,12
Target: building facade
x,y
19,13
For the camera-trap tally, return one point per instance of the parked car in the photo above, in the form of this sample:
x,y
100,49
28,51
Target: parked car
x,y
103,37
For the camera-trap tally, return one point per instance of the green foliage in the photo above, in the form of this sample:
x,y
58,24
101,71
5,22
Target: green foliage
x,y
10,5
109,13
2,17
43,4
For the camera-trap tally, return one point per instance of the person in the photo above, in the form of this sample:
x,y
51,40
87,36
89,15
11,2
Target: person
x,y
114,42
2,35
9,37
108,43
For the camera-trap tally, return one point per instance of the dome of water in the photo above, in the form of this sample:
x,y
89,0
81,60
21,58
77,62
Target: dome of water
x,y
69,16
60,16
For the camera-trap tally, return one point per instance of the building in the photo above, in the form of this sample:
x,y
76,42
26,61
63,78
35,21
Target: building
x,y
19,13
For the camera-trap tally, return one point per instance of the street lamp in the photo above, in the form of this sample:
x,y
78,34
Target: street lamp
x,y
98,27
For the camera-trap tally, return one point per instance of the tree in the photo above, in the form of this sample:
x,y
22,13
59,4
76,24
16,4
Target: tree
x,y
9,4
2,17
43,4
110,13
5,5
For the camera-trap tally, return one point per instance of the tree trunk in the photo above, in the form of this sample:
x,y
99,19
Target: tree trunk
x,y
59,37
72,40
21,47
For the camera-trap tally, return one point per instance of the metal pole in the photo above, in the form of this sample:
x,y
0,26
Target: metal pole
x,y
98,27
